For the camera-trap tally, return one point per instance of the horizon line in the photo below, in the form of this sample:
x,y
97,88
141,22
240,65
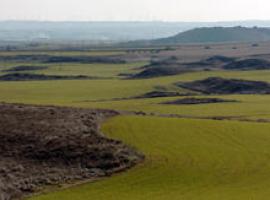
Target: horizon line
x,y
134,21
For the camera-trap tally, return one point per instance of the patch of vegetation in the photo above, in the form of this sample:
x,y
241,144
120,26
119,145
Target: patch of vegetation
x,y
217,35
187,159
25,68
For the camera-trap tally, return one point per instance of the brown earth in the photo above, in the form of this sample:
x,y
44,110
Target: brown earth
x,y
46,146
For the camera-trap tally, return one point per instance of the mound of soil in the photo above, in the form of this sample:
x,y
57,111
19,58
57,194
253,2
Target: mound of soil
x,y
219,59
248,64
188,101
26,68
43,146
213,61
216,85
152,72
157,94
39,77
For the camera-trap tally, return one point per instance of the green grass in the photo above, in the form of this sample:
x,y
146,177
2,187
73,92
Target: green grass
x,y
185,159
100,93
95,70
75,69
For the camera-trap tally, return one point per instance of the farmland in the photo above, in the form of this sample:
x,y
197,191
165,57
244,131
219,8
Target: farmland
x,y
192,151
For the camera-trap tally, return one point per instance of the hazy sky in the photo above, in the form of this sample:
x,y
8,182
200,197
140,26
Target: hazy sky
x,y
135,10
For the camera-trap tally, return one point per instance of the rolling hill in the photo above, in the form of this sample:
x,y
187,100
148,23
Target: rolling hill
x,y
217,35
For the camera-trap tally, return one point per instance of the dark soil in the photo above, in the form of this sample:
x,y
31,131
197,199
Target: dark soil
x,y
171,66
211,62
219,59
216,85
40,77
248,64
44,146
158,94
188,101
25,68
63,59
152,72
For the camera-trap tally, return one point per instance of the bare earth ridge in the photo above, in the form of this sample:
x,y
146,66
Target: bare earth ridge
x,y
43,146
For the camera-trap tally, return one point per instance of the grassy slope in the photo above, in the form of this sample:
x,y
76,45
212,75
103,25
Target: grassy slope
x,y
186,159
85,93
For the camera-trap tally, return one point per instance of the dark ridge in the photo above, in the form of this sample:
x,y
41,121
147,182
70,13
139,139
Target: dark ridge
x,y
40,77
84,59
152,72
219,59
248,64
190,101
157,94
25,68
44,146
63,59
216,85
213,61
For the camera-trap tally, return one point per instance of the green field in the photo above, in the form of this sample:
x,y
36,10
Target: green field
x,y
102,93
186,159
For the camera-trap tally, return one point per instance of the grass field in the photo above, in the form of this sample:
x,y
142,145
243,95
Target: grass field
x,y
186,159
101,93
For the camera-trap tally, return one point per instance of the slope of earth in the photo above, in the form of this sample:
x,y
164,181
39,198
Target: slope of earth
x,y
217,35
217,85
248,64
45,146
185,159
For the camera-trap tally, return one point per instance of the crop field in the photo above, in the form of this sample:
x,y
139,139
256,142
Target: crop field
x,y
186,159
196,150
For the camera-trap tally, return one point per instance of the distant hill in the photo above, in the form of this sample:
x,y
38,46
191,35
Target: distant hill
x,y
45,31
217,35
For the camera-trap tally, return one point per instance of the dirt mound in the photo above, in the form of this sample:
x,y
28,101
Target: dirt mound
x,y
219,59
40,77
213,61
152,72
25,68
157,94
248,64
42,146
216,85
189,101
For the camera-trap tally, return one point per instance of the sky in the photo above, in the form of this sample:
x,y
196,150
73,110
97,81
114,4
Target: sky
x,y
135,10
